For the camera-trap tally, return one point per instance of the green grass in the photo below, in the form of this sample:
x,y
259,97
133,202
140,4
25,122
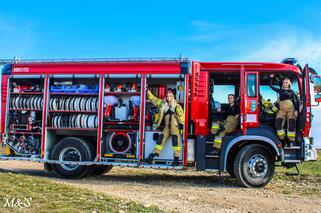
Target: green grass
x,y
49,196
308,183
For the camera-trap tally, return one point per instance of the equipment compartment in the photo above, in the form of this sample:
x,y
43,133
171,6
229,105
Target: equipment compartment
x,y
73,102
122,103
24,122
158,85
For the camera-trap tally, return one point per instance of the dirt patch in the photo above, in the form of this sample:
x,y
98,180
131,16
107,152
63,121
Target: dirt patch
x,y
182,191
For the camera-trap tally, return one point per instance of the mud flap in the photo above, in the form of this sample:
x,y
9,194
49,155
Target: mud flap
x,y
200,153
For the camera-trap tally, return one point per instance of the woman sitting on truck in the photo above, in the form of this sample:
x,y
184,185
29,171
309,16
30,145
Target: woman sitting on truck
x,y
289,107
229,125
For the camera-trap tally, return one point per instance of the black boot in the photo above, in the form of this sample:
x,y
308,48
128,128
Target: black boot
x,y
176,161
150,158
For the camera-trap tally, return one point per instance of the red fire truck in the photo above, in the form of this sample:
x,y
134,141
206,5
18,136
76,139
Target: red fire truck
x,y
82,117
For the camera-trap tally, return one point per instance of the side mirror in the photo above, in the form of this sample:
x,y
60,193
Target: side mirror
x,y
317,88
317,84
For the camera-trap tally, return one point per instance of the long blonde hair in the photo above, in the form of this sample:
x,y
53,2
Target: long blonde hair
x,y
290,83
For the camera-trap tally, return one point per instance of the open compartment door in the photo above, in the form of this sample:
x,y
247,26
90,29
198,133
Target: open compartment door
x,y
305,117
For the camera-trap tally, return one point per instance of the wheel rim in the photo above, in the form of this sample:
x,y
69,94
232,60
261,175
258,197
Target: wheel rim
x,y
257,166
69,154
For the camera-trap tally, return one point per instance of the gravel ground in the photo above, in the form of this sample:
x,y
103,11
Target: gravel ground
x,y
180,191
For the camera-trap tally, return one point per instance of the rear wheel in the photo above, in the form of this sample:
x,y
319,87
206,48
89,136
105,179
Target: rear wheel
x,y
254,166
72,149
102,169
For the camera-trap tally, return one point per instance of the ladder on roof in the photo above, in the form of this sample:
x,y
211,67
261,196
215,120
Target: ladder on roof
x,y
16,60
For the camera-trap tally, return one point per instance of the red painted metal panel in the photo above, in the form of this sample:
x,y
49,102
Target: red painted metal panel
x,y
242,101
186,106
4,91
308,101
100,115
98,68
199,106
44,116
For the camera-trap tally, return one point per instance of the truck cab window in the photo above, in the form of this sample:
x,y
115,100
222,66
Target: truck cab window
x,y
267,93
251,85
219,92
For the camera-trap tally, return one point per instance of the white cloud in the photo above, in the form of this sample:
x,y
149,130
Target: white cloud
x,y
256,42
303,46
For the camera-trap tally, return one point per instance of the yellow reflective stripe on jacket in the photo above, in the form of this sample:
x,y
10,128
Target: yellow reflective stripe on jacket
x,y
155,100
180,114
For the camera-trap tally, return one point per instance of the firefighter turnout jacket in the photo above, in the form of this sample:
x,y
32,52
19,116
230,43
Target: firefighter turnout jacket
x,y
170,122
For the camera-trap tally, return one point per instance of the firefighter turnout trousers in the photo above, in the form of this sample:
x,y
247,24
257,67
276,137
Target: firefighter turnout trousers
x,y
223,128
286,113
163,138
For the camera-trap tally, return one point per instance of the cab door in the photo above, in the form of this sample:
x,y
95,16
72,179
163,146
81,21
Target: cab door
x,y
305,118
249,99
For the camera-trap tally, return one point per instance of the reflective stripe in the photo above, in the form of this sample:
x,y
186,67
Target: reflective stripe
x,y
291,134
176,148
274,108
218,140
216,127
159,147
158,102
281,132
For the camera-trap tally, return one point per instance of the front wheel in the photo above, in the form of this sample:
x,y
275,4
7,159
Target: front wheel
x,y
254,166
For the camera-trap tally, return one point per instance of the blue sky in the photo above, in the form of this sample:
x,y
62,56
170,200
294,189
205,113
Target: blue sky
x,y
201,30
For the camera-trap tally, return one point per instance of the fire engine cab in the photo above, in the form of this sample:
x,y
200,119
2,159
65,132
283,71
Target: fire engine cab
x,y
82,117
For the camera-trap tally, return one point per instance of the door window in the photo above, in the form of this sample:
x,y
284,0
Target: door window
x,y
251,85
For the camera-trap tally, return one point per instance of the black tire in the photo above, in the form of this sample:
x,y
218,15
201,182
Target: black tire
x,y
102,169
254,166
84,152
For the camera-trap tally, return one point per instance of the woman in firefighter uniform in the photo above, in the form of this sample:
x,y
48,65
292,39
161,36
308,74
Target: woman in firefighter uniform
x,y
229,125
289,107
170,122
